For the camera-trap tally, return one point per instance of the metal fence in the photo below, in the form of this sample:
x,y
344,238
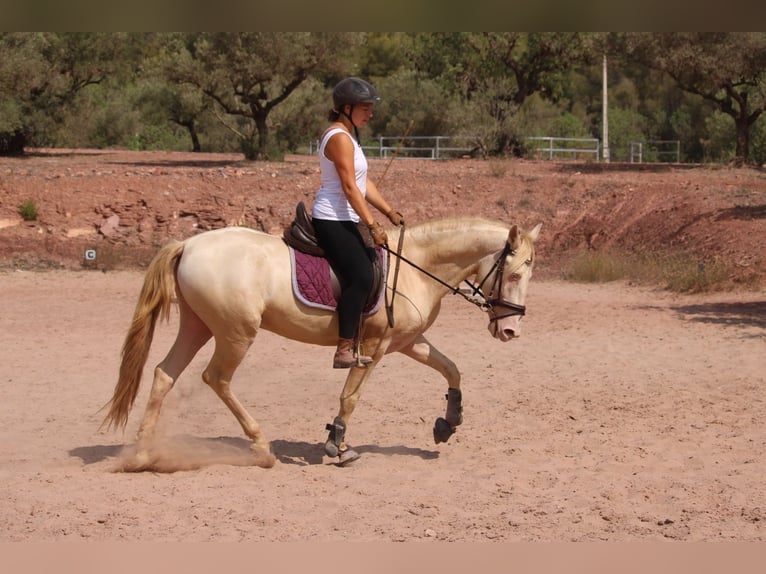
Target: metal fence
x,y
545,147
423,147
655,151
563,148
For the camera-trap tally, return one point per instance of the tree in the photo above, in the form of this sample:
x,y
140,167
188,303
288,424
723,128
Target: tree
x,y
41,75
246,75
19,76
164,101
495,72
383,54
727,69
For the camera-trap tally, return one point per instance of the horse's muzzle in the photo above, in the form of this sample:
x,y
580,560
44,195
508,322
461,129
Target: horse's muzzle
x,y
506,330
505,319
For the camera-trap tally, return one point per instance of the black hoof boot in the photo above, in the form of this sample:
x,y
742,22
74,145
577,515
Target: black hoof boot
x,y
445,427
454,414
442,430
335,438
335,445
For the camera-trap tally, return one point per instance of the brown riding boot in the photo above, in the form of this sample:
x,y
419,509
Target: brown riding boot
x,y
344,356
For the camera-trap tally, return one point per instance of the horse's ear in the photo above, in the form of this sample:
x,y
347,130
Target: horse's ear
x,y
514,238
535,232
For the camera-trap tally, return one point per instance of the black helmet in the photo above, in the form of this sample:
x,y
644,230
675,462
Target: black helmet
x,y
353,91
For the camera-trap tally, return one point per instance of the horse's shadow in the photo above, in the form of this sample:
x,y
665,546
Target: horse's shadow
x,y
96,453
304,453
189,452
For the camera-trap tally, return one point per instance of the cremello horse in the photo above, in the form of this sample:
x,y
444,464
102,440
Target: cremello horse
x,y
231,282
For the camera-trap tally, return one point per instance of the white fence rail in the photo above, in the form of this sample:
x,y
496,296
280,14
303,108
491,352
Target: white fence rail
x,y
564,148
655,151
444,147
423,147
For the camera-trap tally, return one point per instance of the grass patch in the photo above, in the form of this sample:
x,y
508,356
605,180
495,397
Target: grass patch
x,y
685,274
681,273
28,210
597,267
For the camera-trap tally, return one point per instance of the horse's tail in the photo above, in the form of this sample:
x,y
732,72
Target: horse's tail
x,y
153,302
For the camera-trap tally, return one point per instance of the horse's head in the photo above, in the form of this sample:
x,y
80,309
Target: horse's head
x,y
506,289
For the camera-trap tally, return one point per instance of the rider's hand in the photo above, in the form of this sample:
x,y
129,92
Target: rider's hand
x,y
378,234
395,217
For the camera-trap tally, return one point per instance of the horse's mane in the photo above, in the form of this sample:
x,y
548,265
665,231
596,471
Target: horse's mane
x,y
479,226
448,224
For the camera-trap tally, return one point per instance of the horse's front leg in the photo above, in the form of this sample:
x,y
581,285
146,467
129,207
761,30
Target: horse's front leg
x,y
336,445
424,352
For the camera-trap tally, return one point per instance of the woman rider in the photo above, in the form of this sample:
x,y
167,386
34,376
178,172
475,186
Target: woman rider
x,y
344,198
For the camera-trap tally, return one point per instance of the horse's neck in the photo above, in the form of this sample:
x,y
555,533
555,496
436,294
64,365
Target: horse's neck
x,y
453,251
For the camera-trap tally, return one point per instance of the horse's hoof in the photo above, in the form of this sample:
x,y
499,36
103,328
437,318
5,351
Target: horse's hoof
x,y
263,457
138,461
265,460
442,430
347,457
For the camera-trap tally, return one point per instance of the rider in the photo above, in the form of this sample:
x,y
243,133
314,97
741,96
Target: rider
x,y
341,202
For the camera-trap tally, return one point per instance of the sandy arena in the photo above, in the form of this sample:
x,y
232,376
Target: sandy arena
x,y
623,413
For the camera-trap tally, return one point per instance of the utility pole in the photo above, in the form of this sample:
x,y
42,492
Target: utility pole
x,y
605,119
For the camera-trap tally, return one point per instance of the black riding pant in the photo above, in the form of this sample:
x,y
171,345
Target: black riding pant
x,y
352,262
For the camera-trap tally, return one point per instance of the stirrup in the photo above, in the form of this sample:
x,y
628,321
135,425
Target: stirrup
x,y
348,355
357,361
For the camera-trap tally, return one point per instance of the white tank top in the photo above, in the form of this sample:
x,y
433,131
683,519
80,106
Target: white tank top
x,y
330,201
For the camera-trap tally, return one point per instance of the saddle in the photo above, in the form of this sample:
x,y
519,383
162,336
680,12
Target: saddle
x,y
314,281
300,233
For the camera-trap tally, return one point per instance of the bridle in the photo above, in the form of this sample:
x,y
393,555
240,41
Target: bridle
x,y
490,305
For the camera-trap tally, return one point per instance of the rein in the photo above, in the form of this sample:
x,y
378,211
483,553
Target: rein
x,y
485,304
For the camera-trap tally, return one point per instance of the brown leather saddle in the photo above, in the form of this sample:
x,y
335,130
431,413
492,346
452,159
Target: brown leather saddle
x,y
300,235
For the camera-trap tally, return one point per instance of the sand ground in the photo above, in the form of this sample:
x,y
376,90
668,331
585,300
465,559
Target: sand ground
x,y
622,414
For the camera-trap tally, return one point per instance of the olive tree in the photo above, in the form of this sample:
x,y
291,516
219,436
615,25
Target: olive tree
x,y
727,69
41,74
493,73
247,75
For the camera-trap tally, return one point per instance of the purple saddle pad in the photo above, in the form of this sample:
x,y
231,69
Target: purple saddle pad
x,y
315,285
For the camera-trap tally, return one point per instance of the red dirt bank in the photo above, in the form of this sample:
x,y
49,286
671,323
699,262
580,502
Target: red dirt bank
x,y
126,204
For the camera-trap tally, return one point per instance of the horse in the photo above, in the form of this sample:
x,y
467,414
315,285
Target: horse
x,y
231,282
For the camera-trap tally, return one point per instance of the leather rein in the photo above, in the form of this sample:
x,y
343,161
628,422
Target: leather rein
x,y
488,305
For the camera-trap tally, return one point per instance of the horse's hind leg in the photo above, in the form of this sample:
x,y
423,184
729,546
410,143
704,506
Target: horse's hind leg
x,y
218,374
424,352
192,335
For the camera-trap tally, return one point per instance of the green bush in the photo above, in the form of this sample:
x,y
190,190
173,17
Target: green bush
x,y
28,210
720,146
758,141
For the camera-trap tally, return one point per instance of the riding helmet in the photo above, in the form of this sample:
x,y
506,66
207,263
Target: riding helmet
x,y
354,91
